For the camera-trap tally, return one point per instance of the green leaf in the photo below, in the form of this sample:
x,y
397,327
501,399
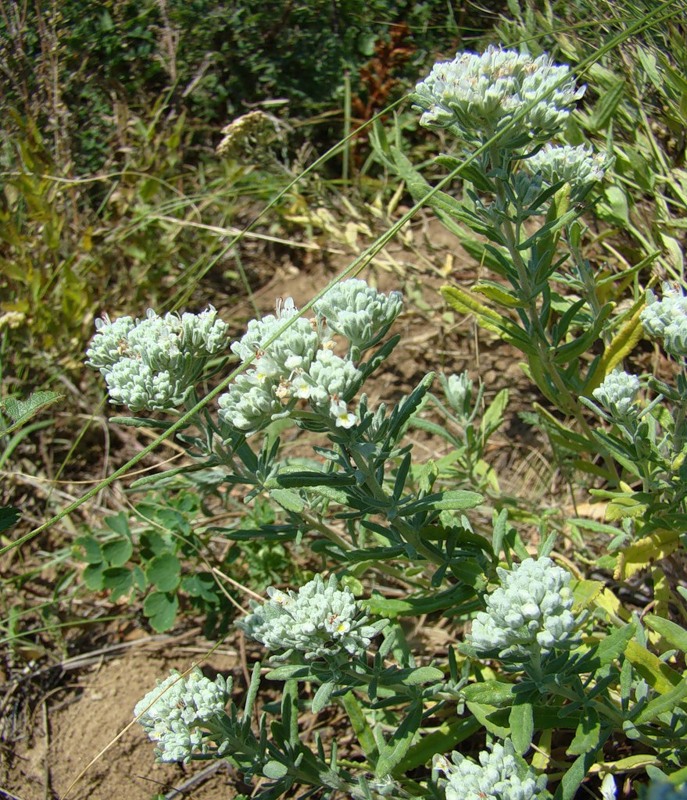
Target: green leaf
x,y
567,788
275,770
455,500
665,703
201,585
118,580
614,645
92,553
391,752
587,734
361,727
164,572
674,634
93,577
491,693
288,672
521,721
21,411
9,516
117,553
161,609
322,696
423,675
287,499
119,524
439,741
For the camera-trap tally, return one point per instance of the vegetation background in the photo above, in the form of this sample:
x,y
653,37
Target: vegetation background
x,y
114,199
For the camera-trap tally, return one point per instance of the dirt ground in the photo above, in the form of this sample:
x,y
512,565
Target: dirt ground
x,y
76,741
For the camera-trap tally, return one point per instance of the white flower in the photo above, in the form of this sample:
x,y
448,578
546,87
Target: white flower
x,y
577,166
173,714
530,610
618,392
666,319
478,96
500,775
319,621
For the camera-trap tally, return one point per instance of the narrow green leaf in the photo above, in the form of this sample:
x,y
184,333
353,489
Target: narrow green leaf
x,y
322,696
674,634
287,499
423,675
393,751
521,721
361,728
587,734
666,702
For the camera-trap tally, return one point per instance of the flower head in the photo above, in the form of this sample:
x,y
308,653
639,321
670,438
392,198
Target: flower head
x,y
577,166
531,610
174,713
154,363
666,319
477,96
359,312
299,364
500,775
618,392
318,621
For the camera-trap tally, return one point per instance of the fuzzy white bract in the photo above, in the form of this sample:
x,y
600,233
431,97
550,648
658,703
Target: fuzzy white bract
x,y
530,611
174,712
319,621
476,96
666,319
577,166
618,393
499,775
152,364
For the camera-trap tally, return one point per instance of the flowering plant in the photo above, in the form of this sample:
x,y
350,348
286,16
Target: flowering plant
x,y
547,651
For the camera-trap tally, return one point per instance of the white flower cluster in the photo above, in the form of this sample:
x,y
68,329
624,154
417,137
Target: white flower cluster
x,y
666,319
500,775
531,609
358,312
618,392
577,166
154,363
173,713
319,621
477,96
300,363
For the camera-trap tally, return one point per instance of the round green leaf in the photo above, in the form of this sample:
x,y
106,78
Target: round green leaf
x,y
164,572
117,553
161,609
